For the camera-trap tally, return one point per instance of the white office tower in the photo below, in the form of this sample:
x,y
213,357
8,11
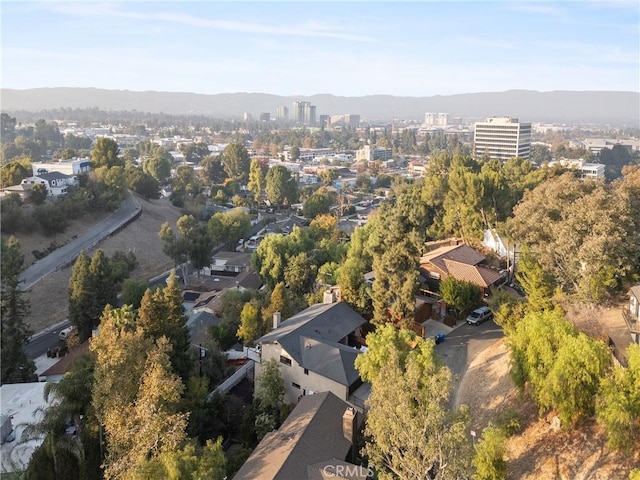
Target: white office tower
x,y
502,138
436,119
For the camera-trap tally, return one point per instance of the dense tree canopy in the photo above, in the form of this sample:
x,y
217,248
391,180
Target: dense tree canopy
x,y
408,385
588,235
105,153
280,187
15,366
236,161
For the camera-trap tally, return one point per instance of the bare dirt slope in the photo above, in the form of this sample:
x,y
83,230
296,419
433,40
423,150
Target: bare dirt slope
x,y
539,451
48,298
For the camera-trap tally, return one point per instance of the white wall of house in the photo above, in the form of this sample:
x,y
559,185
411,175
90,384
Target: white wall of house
x,y
294,374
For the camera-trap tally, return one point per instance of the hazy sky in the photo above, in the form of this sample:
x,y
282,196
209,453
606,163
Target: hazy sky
x,y
419,48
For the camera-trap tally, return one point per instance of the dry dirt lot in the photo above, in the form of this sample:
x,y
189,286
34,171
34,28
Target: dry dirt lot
x,y
539,451
48,298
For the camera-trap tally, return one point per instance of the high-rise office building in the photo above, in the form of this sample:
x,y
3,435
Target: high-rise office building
x,y
502,138
298,111
436,119
324,121
310,114
304,113
282,113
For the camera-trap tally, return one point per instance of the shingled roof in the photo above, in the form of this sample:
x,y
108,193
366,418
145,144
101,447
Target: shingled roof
x,y
311,338
312,433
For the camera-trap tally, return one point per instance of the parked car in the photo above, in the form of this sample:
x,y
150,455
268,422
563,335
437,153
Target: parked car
x,y
65,333
479,315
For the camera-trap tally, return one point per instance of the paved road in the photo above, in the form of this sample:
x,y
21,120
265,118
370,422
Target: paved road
x,y
464,344
42,341
66,255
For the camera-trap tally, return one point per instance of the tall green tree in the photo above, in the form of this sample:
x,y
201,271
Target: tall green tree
x,y
318,204
252,325
229,227
353,288
159,165
105,153
395,240
81,297
269,392
537,283
300,273
212,170
136,395
161,314
410,432
587,254
281,188
91,288
256,178
15,367
236,161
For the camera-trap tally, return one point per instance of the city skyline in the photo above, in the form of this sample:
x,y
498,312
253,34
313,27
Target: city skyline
x,y
307,48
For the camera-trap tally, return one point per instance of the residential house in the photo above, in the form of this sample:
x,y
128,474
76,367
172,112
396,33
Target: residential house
x,y
23,191
315,442
632,314
20,404
57,370
228,262
199,323
461,262
228,270
316,350
57,183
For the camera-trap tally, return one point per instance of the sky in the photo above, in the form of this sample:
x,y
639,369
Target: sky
x,y
419,48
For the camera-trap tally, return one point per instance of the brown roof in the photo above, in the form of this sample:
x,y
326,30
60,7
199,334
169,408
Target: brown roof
x,y
481,276
63,364
635,291
312,433
458,253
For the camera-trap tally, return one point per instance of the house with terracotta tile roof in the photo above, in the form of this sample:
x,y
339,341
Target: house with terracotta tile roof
x,y
462,263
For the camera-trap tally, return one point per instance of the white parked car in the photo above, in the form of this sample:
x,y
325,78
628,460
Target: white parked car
x,y
479,315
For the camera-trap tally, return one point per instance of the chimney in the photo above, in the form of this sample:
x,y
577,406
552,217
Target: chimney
x,y
349,424
329,297
276,320
349,430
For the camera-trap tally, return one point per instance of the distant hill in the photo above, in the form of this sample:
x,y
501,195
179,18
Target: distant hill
x,y
616,108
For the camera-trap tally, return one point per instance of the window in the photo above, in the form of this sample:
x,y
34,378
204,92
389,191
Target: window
x,y
295,385
306,371
285,360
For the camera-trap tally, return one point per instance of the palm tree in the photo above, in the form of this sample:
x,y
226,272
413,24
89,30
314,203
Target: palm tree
x,y
69,403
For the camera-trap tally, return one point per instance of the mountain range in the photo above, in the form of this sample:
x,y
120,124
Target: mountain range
x,y
582,107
